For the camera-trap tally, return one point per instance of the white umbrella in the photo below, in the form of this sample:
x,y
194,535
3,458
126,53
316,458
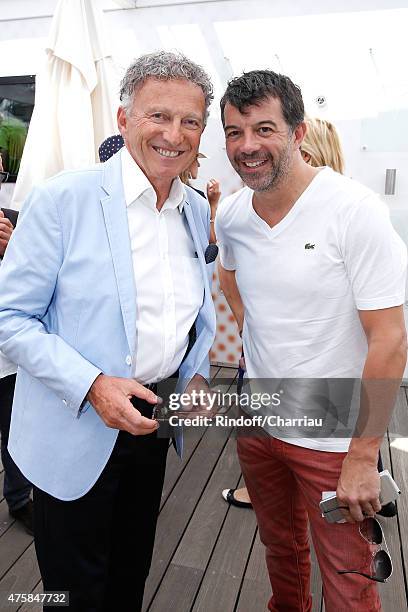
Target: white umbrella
x,y
75,105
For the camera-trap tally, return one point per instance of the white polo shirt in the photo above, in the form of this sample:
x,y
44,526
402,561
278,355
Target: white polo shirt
x,y
303,281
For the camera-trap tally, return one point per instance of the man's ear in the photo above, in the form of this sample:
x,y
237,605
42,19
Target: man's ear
x,y
306,156
122,120
299,133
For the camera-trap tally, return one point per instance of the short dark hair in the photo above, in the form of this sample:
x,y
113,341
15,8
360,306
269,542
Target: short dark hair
x,y
256,86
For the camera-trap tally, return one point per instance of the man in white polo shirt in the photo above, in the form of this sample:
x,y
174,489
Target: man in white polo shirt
x,y
321,274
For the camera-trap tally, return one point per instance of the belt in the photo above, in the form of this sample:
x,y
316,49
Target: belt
x,y
151,387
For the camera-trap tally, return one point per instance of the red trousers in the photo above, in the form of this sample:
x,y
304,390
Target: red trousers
x,y
285,483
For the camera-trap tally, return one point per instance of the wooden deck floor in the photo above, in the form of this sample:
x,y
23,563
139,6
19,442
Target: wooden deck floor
x,y
208,557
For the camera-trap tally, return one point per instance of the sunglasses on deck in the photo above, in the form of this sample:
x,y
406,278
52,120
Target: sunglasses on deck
x,y
381,565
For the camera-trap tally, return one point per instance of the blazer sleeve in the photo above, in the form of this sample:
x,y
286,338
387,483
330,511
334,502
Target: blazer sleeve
x,y
28,278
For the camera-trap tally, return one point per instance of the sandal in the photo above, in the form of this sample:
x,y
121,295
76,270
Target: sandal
x,y
228,495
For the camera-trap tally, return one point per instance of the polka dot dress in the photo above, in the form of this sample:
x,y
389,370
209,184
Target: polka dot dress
x,y
110,146
228,345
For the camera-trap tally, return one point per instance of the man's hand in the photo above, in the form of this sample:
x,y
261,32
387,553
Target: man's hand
x,y
6,229
359,489
213,195
110,396
200,393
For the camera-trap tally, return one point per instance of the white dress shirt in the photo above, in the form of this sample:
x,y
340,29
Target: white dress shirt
x,y
168,279
6,366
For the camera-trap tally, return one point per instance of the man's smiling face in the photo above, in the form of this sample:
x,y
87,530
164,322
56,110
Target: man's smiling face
x,y
259,143
163,127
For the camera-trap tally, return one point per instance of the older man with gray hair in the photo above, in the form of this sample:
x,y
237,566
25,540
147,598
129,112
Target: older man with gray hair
x,y
104,292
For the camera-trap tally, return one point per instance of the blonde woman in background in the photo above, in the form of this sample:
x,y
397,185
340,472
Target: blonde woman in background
x,y
321,145
212,189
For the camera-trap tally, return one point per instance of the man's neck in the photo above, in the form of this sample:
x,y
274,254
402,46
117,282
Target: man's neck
x,y
161,187
162,190
272,206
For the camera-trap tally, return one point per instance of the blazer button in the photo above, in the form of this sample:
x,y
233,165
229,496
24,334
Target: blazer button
x,y
129,360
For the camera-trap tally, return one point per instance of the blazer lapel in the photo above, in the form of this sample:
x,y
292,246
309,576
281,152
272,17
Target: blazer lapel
x,y
199,247
116,221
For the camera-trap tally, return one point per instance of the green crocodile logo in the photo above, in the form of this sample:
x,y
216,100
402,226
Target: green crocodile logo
x,y
309,246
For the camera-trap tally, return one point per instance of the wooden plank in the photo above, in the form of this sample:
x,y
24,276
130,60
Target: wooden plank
x,y
228,373
210,512
13,543
223,575
176,466
187,581
1,485
192,437
213,370
37,606
22,577
5,519
197,539
201,534
398,427
225,382
180,506
256,588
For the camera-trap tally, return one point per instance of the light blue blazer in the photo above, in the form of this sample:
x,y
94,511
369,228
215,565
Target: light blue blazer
x,y
68,312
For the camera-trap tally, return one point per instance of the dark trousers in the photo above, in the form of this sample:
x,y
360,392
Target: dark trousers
x,y
99,547
16,487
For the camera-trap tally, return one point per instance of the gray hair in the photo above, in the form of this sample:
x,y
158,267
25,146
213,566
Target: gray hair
x,y
164,65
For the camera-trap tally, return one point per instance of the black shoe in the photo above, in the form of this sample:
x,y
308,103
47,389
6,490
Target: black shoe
x,y
388,510
25,516
228,495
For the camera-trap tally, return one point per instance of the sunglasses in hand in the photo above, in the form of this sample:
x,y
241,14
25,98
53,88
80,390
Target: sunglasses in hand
x,y
381,565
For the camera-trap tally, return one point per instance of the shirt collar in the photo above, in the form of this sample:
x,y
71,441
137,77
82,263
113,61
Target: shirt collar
x,y
136,184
